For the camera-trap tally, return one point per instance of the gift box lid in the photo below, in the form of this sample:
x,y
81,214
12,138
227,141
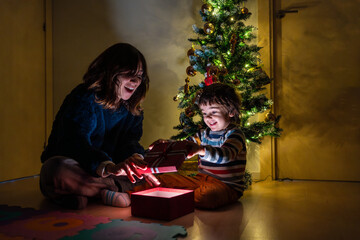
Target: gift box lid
x,y
166,157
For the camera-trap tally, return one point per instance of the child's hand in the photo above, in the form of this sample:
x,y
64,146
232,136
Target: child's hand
x,y
128,167
194,149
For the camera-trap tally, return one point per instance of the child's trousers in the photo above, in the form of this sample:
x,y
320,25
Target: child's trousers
x,y
210,193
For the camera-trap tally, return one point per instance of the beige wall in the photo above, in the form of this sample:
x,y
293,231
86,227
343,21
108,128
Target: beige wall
x,y
158,28
314,57
22,92
317,90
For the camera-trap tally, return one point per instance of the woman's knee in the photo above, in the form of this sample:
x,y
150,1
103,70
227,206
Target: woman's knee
x,y
53,165
50,172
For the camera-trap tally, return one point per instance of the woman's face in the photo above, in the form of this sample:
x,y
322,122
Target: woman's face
x,y
128,85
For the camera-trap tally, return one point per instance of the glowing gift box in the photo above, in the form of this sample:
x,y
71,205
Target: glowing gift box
x,y
162,203
165,157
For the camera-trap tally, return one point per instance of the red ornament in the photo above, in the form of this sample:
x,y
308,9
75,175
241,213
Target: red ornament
x,y
210,80
210,76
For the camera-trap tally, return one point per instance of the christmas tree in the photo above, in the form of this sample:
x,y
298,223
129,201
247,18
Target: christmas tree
x,y
223,52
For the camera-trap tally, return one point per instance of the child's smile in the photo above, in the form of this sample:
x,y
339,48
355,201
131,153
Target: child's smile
x,y
212,124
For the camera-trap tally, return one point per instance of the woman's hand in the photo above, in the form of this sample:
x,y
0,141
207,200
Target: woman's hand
x,y
129,167
151,179
194,149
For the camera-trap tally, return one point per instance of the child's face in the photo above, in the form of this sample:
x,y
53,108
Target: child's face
x,y
128,85
215,116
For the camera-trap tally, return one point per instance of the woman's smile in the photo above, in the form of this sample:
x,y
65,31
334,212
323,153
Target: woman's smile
x,y
128,86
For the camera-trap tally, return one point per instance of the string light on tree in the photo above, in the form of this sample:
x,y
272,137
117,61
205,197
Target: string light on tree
x,y
222,51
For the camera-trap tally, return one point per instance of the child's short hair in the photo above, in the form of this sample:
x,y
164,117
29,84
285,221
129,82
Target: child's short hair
x,y
223,95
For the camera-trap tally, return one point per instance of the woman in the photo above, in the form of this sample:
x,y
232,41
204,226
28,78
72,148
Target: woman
x,y
95,135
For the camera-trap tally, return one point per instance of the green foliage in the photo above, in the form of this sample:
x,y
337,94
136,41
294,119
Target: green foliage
x,y
223,50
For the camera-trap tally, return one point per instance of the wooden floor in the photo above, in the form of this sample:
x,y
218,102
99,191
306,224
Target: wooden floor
x,y
270,210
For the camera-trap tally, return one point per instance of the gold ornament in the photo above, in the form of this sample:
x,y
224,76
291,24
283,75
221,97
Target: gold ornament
x,y
206,8
175,98
270,117
244,10
191,52
209,28
186,87
190,71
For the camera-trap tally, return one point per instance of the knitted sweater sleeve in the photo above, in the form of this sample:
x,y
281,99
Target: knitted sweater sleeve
x,y
227,152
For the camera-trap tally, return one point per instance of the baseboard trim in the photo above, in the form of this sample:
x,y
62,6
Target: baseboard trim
x,y
18,179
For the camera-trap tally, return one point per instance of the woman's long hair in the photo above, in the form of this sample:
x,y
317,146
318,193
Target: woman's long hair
x,y
101,76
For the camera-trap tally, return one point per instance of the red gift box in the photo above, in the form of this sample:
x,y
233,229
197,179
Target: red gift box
x,y
165,157
162,203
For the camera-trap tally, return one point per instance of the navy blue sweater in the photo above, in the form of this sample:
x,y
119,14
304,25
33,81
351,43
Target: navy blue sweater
x,y
83,130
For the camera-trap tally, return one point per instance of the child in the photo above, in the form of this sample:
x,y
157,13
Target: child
x,y
95,135
222,152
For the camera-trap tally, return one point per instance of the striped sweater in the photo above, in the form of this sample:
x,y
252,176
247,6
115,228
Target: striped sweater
x,y
225,155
